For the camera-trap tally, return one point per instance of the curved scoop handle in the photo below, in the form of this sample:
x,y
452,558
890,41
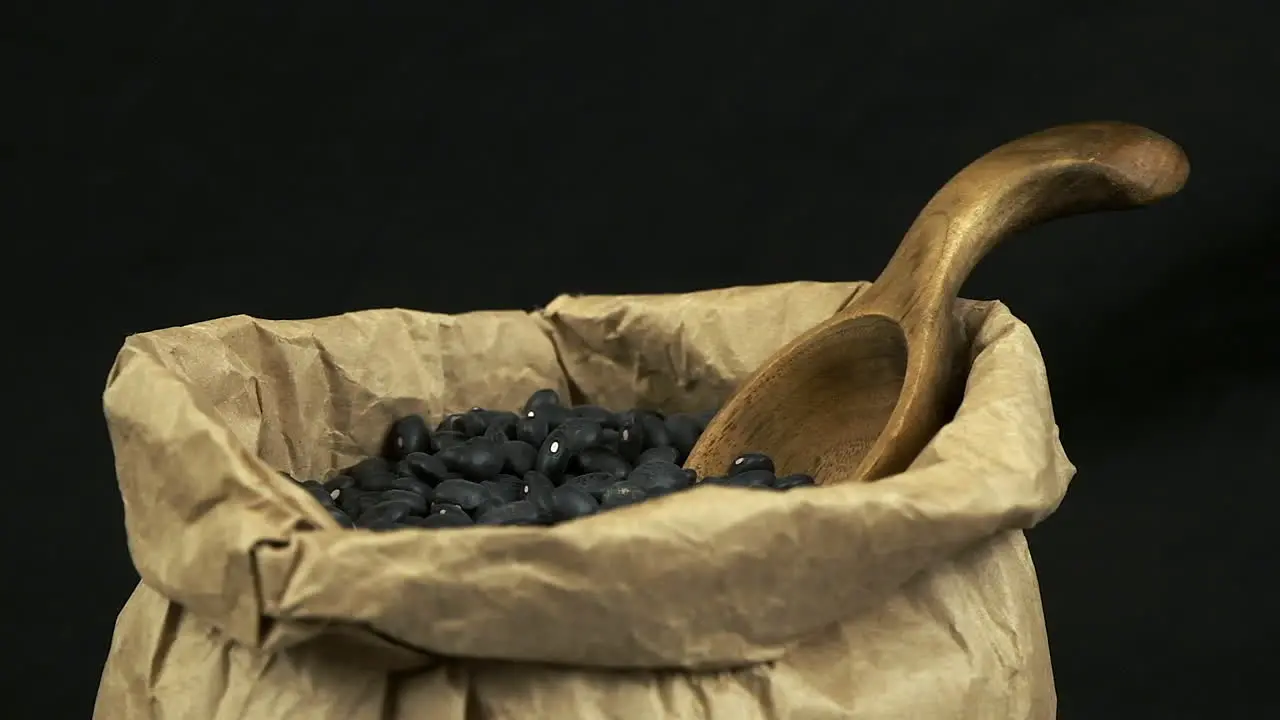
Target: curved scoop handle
x,y
1062,171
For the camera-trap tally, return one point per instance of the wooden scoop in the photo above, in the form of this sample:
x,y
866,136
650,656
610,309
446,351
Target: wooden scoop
x,y
859,396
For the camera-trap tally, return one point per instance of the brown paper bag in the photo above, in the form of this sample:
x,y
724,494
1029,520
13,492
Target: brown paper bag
x,y
913,597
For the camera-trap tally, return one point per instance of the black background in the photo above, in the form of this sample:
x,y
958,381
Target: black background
x,y
181,161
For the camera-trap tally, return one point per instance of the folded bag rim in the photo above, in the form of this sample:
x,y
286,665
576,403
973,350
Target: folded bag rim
x,y
289,583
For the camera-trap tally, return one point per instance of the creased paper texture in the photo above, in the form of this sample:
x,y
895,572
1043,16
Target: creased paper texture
x,y
912,597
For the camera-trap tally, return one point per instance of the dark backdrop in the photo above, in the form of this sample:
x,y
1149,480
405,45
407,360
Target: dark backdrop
x,y
181,161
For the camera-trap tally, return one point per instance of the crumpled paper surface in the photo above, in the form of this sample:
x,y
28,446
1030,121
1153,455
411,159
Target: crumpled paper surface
x,y
912,597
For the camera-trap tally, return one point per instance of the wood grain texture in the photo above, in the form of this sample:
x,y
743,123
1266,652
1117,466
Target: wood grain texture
x,y
858,396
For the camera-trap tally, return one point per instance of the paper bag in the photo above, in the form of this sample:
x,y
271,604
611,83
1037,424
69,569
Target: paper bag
x,y
912,597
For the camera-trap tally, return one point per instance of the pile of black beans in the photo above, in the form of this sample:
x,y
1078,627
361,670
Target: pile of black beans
x,y
547,464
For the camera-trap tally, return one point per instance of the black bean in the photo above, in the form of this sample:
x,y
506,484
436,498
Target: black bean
x,y
519,457
554,456
665,453
537,489
659,477
795,480
367,466
631,436
339,482
446,439
427,468
468,424
594,483
445,507
477,459
417,503
533,477
683,432
754,478
342,518
414,485
349,500
609,440
622,493
317,491
597,459
496,435
388,511
655,430
442,520
760,479
554,415
521,512
563,443
703,419
532,430
582,433
505,488
465,494
376,481
541,398
596,414
476,422
366,501
750,461
338,494
569,502
408,434
500,422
